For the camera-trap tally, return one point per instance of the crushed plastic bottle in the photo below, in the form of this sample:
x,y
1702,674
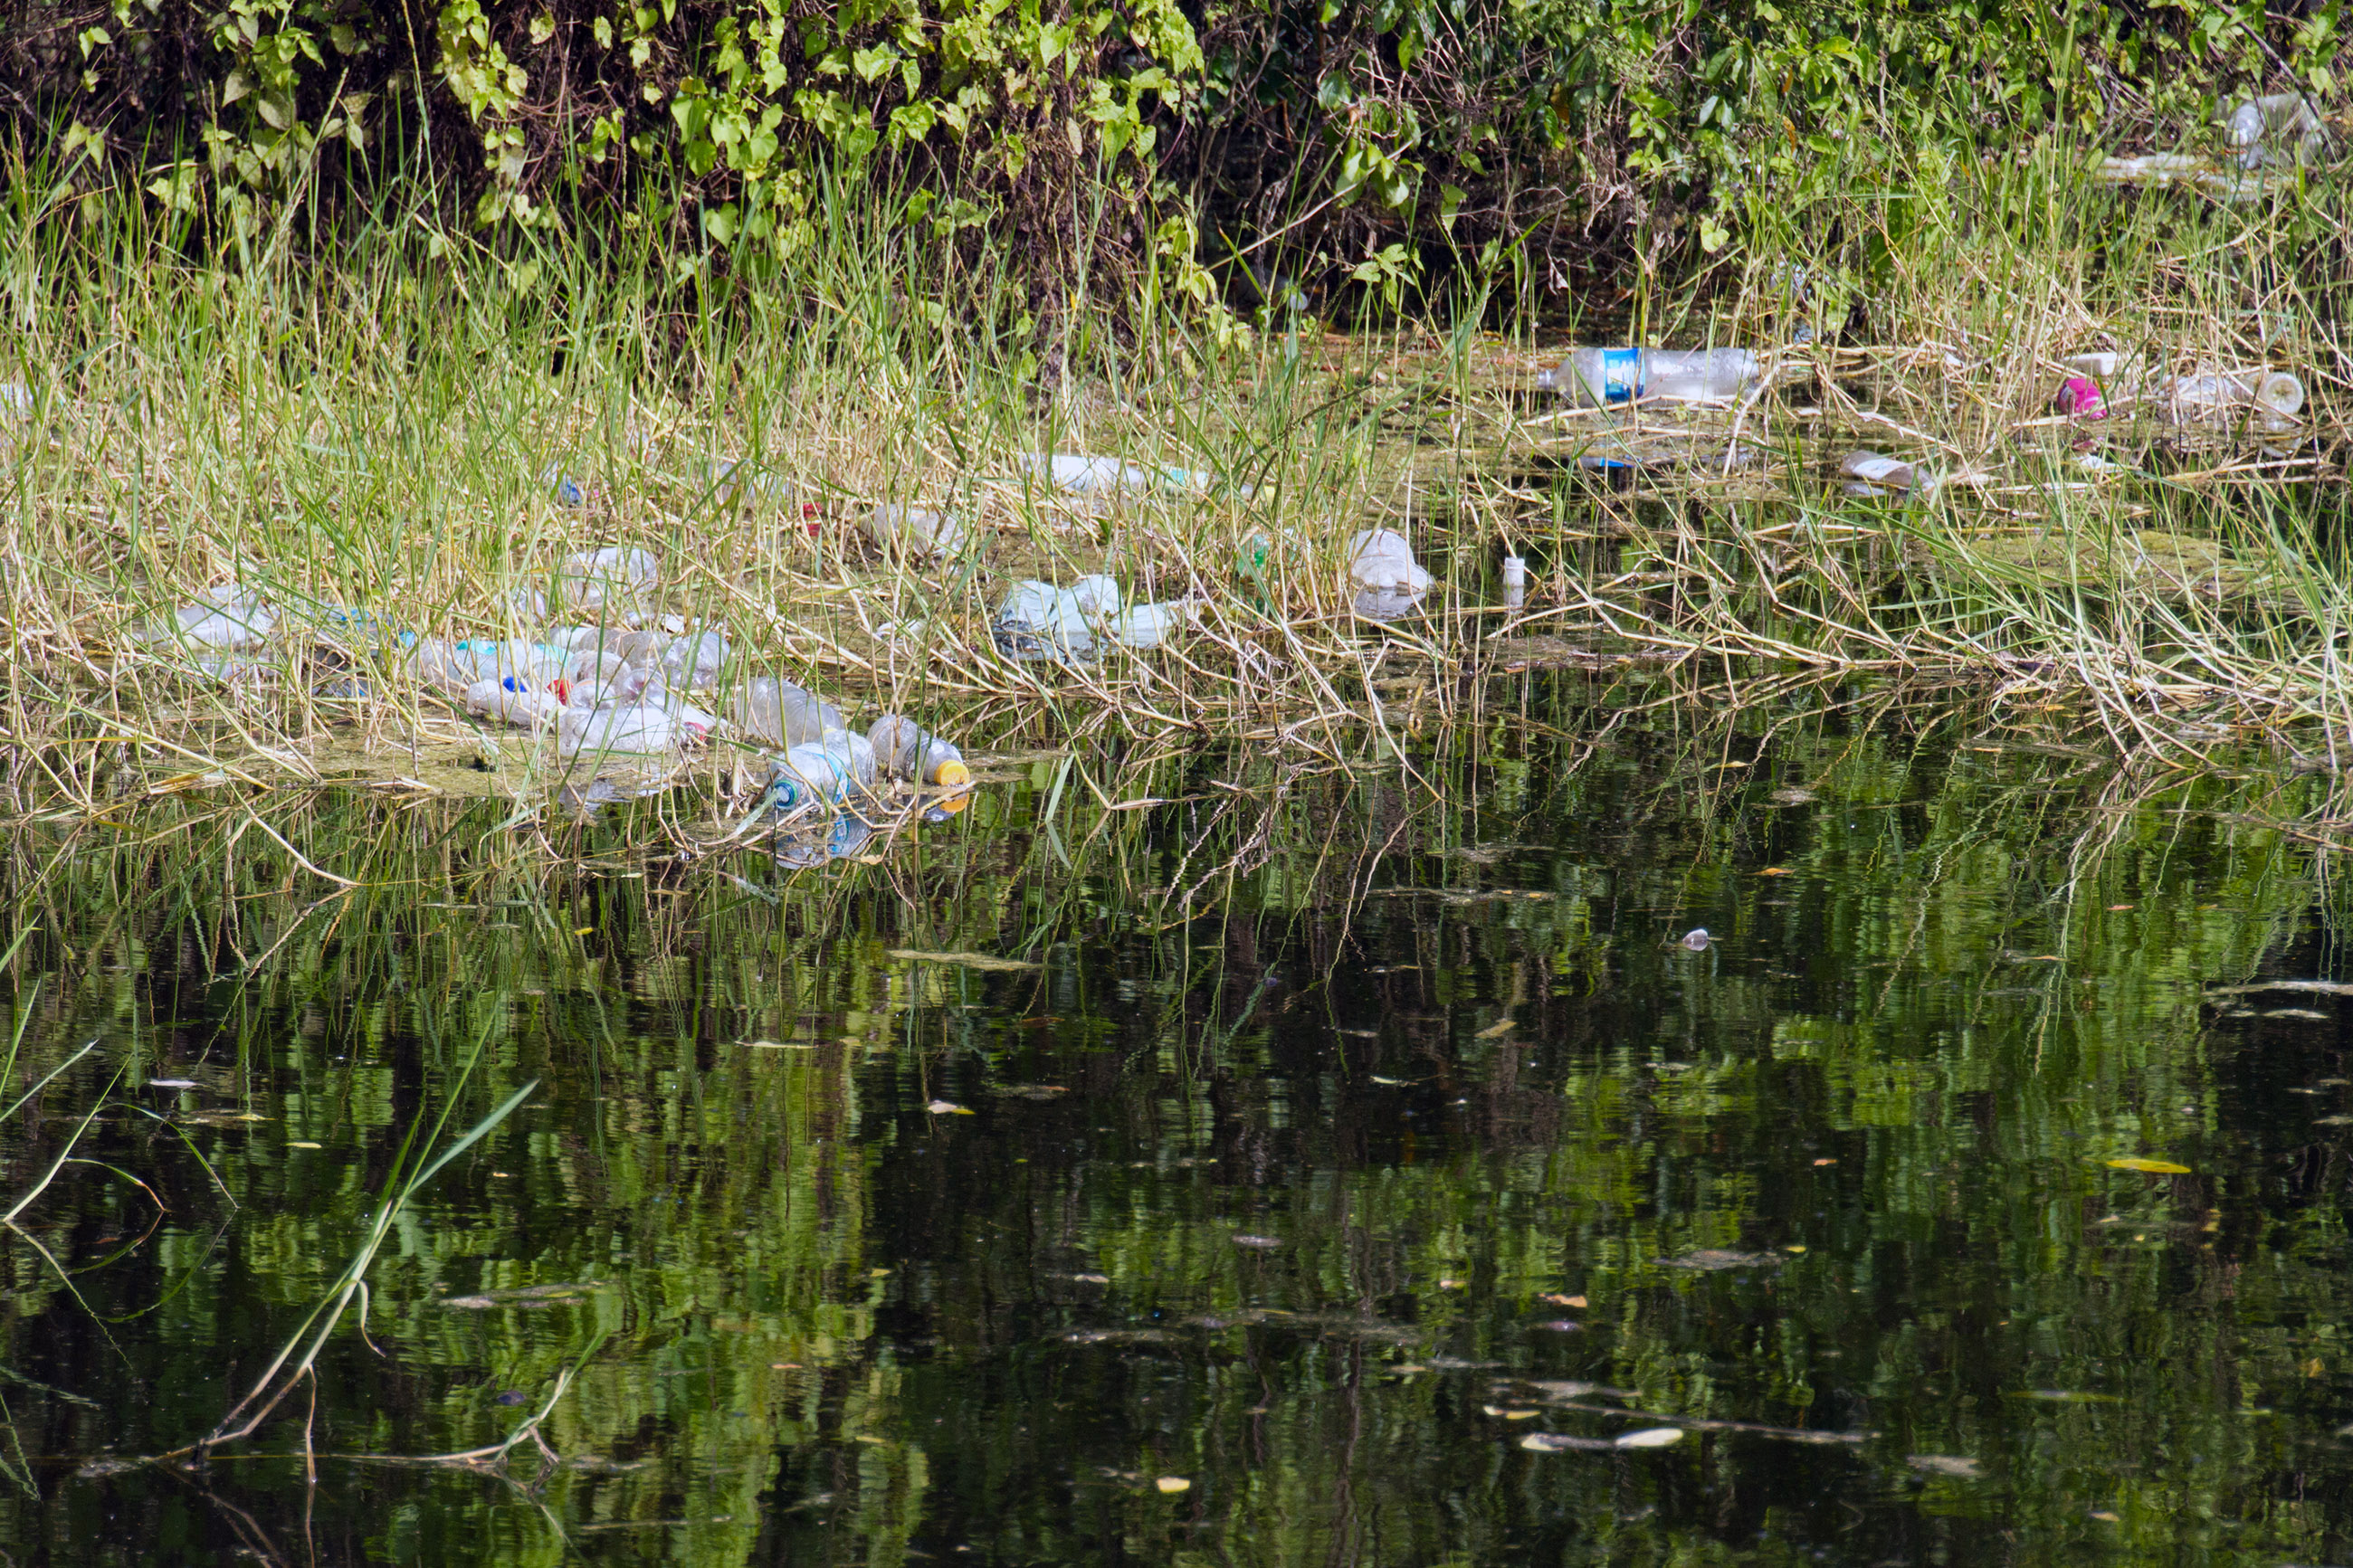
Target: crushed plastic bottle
x,y
615,575
1149,626
2275,129
1038,621
635,730
1079,473
778,713
1381,561
228,617
1869,473
905,750
1602,376
906,530
694,663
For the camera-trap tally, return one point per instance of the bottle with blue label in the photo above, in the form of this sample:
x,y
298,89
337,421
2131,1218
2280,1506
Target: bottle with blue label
x,y
1602,378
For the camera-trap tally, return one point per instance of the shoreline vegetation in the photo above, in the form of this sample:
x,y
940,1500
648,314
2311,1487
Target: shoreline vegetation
x,y
400,429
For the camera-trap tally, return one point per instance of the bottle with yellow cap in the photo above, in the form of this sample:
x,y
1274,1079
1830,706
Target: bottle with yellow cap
x,y
908,751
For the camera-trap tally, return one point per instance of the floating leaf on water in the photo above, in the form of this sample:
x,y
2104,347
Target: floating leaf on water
x,y
1496,1031
778,1046
1649,1438
1390,1082
171,1083
2333,1122
1945,1465
1561,1300
966,960
2105,1517
526,1296
1246,1239
1555,1442
946,1107
1777,871
1091,1279
303,1143
1501,1414
1826,1161
2150,1167
2296,1012
1173,1484
1453,1284
1029,1090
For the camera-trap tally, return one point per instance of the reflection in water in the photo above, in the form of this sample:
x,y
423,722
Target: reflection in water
x,y
1346,1166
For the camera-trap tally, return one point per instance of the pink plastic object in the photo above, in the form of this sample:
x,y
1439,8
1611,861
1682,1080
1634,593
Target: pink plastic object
x,y
2080,396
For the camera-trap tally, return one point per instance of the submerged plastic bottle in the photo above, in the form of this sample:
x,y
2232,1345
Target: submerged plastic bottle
x,y
905,750
782,714
636,730
911,530
1602,376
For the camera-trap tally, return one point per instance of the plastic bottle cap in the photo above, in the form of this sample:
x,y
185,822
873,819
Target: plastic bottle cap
x,y
952,775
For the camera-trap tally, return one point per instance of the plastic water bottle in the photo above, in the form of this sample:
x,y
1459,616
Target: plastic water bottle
x,y
905,750
1148,626
781,714
832,769
693,663
2276,394
634,730
1516,582
1603,376
911,530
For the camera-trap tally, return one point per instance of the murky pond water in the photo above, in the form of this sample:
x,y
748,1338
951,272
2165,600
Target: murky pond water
x,y
1320,1166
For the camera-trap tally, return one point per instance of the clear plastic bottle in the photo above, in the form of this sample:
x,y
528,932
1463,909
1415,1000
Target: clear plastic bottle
x,y
1148,626
905,750
633,731
2275,394
911,530
780,713
693,663
833,769
1602,376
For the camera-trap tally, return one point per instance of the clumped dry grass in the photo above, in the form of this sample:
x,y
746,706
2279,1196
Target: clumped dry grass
x,y
367,436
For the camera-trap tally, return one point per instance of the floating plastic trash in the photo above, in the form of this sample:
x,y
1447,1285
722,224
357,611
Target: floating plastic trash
x,y
694,663
1038,621
512,700
2275,129
2079,396
905,750
1602,376
615,575
228,617
779,713
905,530
1380,559
1080,474
639,730
562,488
1148,626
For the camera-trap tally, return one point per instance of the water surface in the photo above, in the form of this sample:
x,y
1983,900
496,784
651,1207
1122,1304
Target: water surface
x,y
1317,1138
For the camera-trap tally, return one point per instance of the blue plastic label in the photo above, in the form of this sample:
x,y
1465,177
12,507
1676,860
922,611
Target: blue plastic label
x,y
1622,375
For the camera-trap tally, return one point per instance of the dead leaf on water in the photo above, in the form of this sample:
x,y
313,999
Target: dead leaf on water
x,y
2150,1167
1496,1031
1945,1465
778,1044
1555,1442
966,960
946,1107
1173,1484
1558,1299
